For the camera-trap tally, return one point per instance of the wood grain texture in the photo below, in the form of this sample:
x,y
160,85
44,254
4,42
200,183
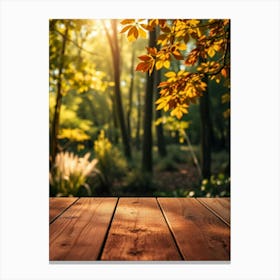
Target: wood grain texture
x,y
220,206
58,204
139,232
78,234
200,235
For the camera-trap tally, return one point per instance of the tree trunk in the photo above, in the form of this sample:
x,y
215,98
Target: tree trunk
x,y
130,95
159,128
115,121
114,45
55,123
147,158
138,124
205,134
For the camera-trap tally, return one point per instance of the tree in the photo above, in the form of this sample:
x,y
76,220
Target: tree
x,y
55,123
159,127
75,85
147,156
130,94
115,50
202,47
206,129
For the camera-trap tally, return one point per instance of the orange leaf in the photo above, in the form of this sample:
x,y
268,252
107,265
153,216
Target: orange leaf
x,y
127,21
163,84
177,55
152,51
144,57
165,29
125,28
224,72
147,27
142,66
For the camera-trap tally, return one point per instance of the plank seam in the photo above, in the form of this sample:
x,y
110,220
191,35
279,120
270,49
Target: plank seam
x,y
64,210
170,230
213,211
107,232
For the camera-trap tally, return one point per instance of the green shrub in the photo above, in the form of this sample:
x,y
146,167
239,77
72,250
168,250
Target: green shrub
x,y
111,162
217,186
70,173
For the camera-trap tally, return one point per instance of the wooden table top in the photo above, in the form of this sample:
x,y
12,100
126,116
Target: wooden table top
x,y
139,229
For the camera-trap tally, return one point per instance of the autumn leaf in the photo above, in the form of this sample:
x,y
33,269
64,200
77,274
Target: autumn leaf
x,y
127,21
211,52
224,72
159,64
163,103
192,57
152,51
134,28
170,74
179,111
132,34
166,64
145,57
126,28
142,33
147,64
182,88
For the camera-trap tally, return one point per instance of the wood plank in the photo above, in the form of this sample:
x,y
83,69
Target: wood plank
x,y
78,234
200,234
220,206
139,232
58,204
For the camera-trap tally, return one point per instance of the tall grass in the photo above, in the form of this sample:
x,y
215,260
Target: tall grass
x,y
70,174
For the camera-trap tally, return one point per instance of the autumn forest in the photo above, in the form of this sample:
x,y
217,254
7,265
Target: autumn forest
x,y
139,107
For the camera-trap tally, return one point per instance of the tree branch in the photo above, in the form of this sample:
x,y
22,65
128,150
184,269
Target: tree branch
x,y
77,45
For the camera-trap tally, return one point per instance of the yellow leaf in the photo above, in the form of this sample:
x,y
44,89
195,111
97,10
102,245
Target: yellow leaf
x,y
180,33
177,112
193,22
166,108
170,74
142,33
131,38
211,52
166,64
161,106
182,47
159,64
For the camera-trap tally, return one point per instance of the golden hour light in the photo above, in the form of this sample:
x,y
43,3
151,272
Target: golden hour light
x,y
139,130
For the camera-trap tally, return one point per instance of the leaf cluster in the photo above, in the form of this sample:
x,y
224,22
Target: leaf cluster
x,y
209,57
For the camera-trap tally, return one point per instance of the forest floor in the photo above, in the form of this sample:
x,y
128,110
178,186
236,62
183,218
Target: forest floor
x,y
164,183
185,177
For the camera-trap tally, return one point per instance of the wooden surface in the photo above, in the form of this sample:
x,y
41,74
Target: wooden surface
x,y
57,206
139,229
221,207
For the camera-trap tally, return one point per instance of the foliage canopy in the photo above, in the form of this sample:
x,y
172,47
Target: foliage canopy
x,y
200,46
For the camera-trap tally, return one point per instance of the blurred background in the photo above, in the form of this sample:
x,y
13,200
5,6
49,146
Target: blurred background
x,y
97,122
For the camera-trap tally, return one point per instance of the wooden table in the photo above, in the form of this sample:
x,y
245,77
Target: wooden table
x,y
134,229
